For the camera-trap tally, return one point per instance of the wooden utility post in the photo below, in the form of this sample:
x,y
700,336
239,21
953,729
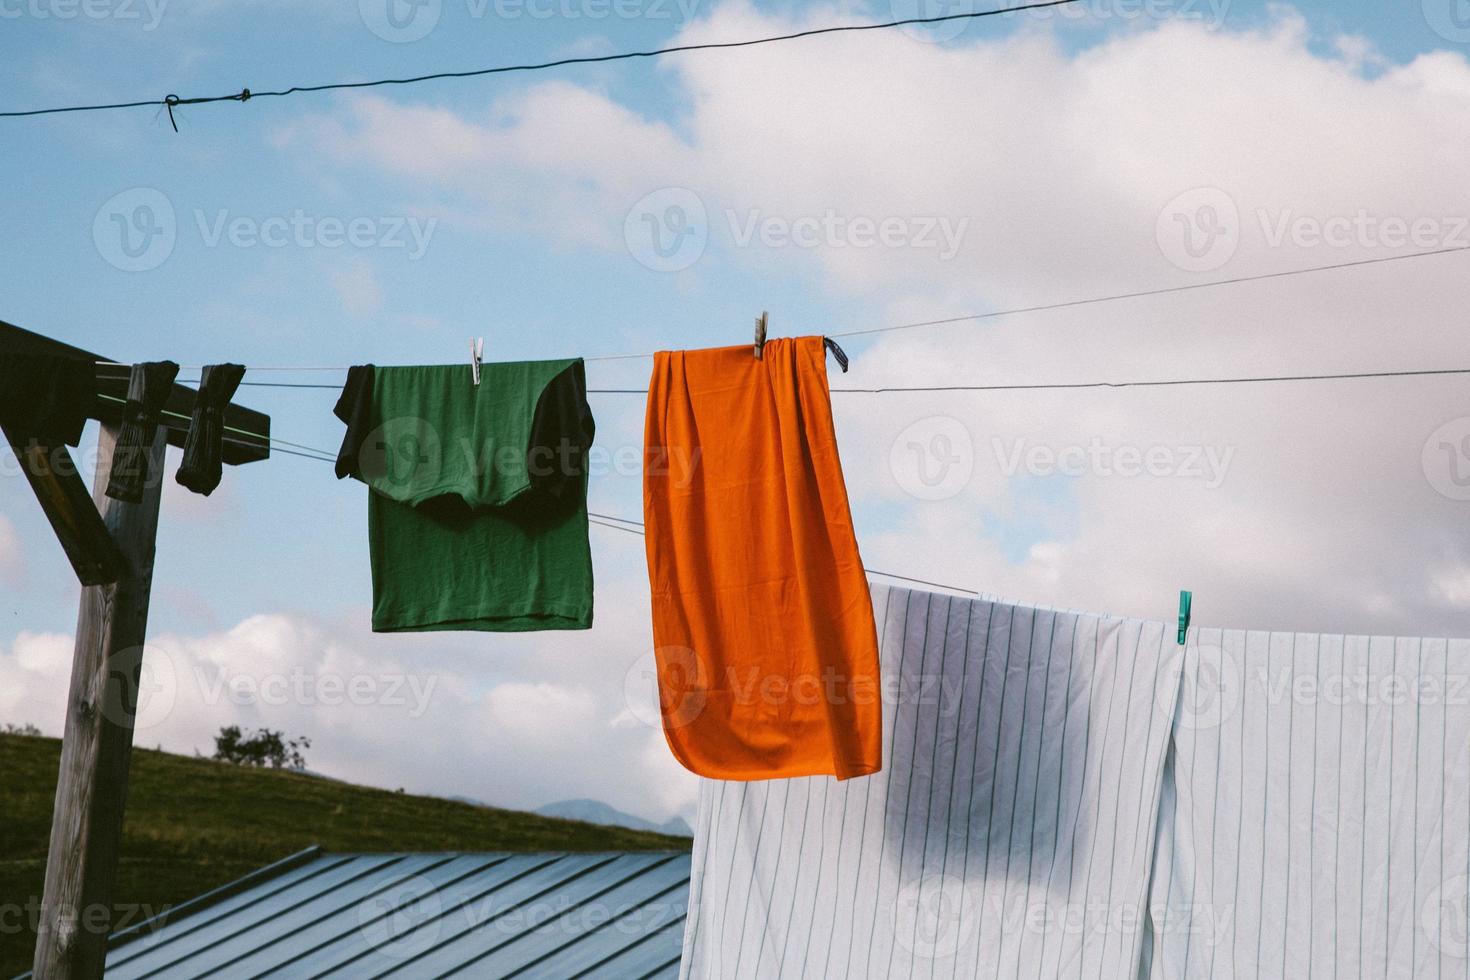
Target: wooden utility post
x,y
97,746
110,545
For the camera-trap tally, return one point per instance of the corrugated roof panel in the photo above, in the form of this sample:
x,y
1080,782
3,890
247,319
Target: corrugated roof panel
x,y
418,915
653,928
468,928
354,893
543,948
656,955
121,961
179,927
490,932
170,958
325,940
416,923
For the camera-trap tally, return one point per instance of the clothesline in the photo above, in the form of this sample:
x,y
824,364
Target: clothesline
x,y
255,439
1032,386
1073,385
603,520
245,95
606,520
310,452
304,451
962,318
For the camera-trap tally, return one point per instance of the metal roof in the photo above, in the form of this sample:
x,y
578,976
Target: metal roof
x,y
426,915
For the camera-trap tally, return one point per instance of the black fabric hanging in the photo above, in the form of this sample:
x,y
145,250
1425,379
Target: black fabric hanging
x,y
149,386
354,407
46,396
203,464
562,430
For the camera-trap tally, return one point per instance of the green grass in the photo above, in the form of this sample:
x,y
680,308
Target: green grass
x,y
193,824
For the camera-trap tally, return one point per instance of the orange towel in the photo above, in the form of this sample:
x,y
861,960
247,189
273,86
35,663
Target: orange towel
x,y
762,619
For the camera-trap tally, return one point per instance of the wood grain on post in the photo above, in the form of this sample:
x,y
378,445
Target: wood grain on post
x,y
63,496
91,791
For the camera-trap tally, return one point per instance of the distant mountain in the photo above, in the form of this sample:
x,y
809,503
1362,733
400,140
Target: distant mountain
x,y
466,799
595,811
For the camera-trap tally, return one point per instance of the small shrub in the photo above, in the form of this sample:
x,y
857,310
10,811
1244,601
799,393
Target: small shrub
x,y
261,749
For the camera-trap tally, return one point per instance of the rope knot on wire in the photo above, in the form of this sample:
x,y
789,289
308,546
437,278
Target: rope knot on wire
x,y
172,100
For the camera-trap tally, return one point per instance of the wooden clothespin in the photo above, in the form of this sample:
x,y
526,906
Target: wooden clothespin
x,y
477,352
1186,600
760,335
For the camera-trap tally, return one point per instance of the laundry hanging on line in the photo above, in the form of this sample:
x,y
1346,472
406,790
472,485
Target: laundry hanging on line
x,y
203,464
1022,757
477,515
1077,796
50,396
754,569
1316,816
755,572
149,386
355,410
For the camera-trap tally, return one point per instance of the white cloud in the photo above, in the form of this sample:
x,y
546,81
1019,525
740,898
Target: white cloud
x,y
12,556
535,713
542,160
1054,165
37,672
1063,164
513,721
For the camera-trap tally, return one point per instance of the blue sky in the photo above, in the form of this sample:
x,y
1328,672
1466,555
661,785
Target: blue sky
x,y
522,187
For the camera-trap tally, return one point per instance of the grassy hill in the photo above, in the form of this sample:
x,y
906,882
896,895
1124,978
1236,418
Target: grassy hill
x,y
193,824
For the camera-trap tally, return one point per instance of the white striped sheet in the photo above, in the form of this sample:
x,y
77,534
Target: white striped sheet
x,y
1317,821
1023,762
1090,678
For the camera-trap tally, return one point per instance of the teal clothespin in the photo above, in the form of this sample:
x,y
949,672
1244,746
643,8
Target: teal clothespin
x,y
1186,600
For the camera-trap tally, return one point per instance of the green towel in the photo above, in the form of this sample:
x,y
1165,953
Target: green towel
x,y
477,518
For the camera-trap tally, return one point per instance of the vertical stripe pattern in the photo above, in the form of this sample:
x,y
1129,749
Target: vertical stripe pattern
x,y
1316,817
1010,833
